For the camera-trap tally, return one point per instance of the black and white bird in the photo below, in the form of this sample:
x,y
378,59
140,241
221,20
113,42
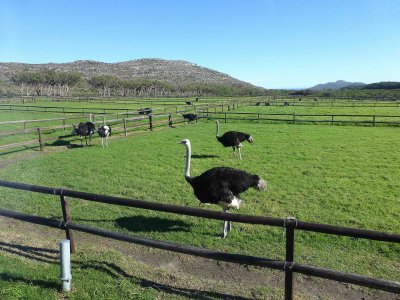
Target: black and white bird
x,y
84,130
221,185
104,132
233,139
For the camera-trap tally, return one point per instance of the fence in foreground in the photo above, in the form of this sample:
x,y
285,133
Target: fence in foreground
x,y
289,266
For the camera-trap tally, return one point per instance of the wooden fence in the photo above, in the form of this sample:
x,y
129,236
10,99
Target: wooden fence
x,y
373,120
289,265
119,125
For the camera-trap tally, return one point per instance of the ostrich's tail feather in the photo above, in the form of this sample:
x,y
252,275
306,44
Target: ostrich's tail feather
x,y
261,185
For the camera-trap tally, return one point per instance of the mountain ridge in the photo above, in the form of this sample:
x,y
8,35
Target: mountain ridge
x,y
178,72
337,85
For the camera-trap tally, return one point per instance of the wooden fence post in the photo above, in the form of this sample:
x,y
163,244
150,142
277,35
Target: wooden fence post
x,y
150,122
290,224
294,118
40,139
170,120
66,219
373,121
125,127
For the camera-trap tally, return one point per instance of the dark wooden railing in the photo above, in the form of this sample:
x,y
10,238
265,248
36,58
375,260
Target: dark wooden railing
x,y
289,266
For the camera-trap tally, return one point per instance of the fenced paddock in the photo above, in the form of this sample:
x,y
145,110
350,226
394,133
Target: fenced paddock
x,y
343,119
122,124
289,265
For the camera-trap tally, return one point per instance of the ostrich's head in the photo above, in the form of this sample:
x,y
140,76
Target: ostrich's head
x,y
185,142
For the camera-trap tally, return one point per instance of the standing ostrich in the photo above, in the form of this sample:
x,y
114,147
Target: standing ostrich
x,y
233,139
104,132
221,185
84,130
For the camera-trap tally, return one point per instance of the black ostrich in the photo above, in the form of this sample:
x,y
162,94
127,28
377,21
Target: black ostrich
x,y
233,139
189,117
221,185
104,132
84,130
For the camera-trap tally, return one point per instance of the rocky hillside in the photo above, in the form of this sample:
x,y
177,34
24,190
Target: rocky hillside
x,y
177,72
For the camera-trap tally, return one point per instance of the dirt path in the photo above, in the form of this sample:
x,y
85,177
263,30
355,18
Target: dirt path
x,y
182,275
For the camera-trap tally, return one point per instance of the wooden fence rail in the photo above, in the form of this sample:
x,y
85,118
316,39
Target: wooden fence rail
x,y
145,122
289,266
305,118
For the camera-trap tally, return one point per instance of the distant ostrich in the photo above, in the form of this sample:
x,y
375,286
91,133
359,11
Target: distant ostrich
x,y
188,102
145,111
189,117
221,185
104,132
84,130
233,139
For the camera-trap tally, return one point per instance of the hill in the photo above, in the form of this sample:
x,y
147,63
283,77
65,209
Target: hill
x,y
336,85
384,85
175,72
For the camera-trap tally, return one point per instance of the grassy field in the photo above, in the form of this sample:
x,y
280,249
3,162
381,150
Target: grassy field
x,y
339,175
336,175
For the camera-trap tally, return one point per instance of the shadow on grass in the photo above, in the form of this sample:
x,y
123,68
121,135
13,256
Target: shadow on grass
x,y
199,156
111,269
64,143
36,282
151,224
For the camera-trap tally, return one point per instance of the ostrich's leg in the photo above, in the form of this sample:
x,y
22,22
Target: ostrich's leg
x,y
102,142
107,141
234,152
227,226
240,154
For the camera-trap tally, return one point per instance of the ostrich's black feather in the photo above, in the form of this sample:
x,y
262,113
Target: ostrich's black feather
x,y
233,138
221,184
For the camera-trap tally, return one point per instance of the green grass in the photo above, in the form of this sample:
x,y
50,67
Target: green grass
x,y
92,279
394,111
339,175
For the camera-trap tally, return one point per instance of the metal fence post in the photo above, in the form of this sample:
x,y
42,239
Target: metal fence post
x,y
290,224
66,218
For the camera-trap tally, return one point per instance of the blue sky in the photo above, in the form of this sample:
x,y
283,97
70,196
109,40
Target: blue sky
x,y
274,44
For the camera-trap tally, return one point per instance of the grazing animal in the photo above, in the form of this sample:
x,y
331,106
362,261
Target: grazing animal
x,y
258,103
84,130
145,111
286,103
233,139
189,117
104,132
221,185
188,102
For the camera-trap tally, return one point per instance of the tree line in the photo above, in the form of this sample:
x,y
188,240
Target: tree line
x,y
53,83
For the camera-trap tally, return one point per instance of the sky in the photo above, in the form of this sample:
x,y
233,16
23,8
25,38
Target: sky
x,y
273,44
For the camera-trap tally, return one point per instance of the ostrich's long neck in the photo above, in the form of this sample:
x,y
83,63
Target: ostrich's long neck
x,y
217,128
187,167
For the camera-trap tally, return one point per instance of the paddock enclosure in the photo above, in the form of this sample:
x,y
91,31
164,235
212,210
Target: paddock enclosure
x,y
338,171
